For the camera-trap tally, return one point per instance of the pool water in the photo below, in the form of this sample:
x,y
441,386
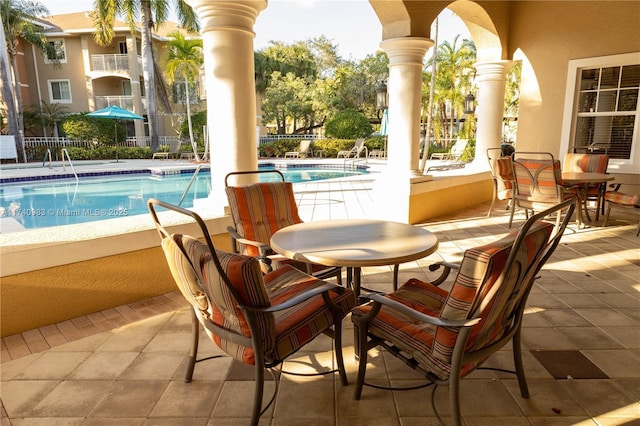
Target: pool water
x,y
40,204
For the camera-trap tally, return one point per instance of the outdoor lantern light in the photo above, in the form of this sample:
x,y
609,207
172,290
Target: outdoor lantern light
x,y
203,83
381,96
469,104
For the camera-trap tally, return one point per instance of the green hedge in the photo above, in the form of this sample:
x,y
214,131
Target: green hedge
x,y
110,153
329,147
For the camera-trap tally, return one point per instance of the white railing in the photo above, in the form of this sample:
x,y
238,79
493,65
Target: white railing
x,y
55,144
112,62
272,138
125,102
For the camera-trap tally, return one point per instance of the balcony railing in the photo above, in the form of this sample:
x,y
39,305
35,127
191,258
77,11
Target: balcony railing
x,y
112,62
125,102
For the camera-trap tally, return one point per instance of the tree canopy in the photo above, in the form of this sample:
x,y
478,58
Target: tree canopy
x,y
307,83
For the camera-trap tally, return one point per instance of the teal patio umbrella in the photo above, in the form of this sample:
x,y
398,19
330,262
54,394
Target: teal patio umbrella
x,y
384,129
115,112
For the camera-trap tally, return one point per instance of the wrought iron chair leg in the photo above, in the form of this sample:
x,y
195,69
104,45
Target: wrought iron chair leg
x,y
517,360
606,215
361,353
193,355
513,210
337,341
454,397
396,270
258,392
493,200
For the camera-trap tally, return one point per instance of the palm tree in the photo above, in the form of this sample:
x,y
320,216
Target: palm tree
x,y
184,62
453,81
47,116
149,13
17,18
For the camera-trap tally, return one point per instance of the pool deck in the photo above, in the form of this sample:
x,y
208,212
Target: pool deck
x,y
126,365
62,170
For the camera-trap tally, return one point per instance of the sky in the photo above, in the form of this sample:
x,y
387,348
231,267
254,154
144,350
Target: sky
x,y
350,24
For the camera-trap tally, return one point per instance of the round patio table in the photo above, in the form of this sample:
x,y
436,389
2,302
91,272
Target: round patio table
x,y
354,243
582,180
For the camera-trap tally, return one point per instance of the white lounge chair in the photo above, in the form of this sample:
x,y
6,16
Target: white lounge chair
x,y
174,151
454,153
303,150
354,152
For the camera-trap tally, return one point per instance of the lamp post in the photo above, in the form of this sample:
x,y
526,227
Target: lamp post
x,y
469,104
382,104
381,98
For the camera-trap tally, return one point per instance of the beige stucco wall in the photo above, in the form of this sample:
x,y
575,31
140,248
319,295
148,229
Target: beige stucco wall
x,y
48,282
547,35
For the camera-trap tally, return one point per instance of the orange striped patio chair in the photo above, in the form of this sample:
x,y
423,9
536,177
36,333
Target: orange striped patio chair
x,y
538,183
501,175
259,210
256,319
594,163
445,335
626,195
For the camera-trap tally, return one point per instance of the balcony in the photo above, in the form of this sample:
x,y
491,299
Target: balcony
x,y
112,62
125,102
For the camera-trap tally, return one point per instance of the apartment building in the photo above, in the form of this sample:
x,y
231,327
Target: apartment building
x,y
90,76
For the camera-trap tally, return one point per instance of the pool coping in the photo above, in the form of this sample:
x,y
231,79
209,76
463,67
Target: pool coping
x,y
172,170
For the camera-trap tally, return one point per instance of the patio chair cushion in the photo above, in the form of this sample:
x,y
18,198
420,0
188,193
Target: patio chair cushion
x,y
479,276
624,199
594,163
261,209
282,332
547,186
504,170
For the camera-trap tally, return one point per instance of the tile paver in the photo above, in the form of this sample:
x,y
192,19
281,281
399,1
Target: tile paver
x,y
125,365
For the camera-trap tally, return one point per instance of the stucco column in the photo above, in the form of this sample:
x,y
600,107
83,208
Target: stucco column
x,y
405,91
393,187
491,78
227,38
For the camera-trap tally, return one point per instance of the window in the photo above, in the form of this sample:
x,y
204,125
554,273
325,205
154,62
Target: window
x,y
60,91
179,93
60,52
126,87
603,112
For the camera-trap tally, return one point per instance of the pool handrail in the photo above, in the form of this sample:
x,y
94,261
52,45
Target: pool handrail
x,y
44,158
63,152
186,191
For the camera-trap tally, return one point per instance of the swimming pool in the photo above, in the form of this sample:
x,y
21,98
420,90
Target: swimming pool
x,y
45,203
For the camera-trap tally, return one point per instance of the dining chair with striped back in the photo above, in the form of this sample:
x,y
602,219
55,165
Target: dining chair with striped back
x,y
501,168
259,210
447,334
590,163
257,319
538,183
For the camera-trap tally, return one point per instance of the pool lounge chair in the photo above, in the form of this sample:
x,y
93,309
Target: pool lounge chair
x,y
174,151
355,152
303,150
454,154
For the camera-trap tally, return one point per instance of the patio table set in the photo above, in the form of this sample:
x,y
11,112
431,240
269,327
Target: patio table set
x,y
536,180
269,296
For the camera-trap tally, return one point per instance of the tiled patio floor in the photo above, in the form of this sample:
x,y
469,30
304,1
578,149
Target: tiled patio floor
x,y
125,366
